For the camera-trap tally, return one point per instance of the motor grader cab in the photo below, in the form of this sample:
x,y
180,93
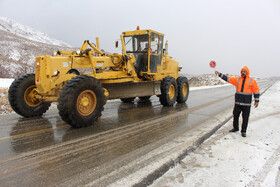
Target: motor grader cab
x,y
147,47
82,81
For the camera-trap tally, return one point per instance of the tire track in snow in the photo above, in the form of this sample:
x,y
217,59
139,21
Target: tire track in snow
x,y
262,174
277,181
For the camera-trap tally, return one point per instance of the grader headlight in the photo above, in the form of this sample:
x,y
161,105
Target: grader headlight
x,y
55,73
54,53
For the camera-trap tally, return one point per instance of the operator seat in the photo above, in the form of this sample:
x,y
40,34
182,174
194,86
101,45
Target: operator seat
x,y
141,63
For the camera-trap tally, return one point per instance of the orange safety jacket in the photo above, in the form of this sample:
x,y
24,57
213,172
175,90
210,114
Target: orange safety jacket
x,y
245,87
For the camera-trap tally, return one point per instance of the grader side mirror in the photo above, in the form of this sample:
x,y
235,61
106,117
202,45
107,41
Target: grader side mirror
x,y
116,44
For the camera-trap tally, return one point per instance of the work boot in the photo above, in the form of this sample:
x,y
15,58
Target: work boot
x,y
233,130
243,134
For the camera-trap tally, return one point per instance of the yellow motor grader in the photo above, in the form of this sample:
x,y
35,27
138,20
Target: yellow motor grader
x,y
82,81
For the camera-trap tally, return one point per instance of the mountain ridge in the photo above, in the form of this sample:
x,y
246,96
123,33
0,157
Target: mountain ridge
x,y
18,51
11,26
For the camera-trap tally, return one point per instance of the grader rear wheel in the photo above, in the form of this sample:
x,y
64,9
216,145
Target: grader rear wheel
x,y
168,91
81,101
22,97
183,89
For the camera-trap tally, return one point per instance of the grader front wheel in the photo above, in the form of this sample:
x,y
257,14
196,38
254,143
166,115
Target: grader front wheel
x,y
22,98
86,102
81,101
29,96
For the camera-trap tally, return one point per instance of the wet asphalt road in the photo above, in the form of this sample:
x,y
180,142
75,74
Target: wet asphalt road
x,y
46,151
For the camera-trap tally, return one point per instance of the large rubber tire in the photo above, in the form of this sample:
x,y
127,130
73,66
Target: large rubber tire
x,y
18,101
183,89
144,98
69,97
128,100
166,98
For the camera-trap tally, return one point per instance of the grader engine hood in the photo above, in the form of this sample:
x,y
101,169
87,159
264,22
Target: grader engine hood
x,y
50,72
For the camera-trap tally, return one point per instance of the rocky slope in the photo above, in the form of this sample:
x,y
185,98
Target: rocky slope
x,y
19,45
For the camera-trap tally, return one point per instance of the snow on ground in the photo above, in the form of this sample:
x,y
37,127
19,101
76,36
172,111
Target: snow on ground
x,y
5,83
208,87
227,159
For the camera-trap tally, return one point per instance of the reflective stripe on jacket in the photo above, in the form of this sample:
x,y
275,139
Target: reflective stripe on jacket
x,y
244,90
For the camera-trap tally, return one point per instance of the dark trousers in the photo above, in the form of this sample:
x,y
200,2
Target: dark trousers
x,y
245,115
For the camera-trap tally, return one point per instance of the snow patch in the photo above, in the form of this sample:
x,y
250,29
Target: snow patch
x,y
5,83
31,60
15,55
13,67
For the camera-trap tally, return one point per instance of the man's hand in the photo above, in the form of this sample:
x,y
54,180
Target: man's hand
x,y
217,73
256,104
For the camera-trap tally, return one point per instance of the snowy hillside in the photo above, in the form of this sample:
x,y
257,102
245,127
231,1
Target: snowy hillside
x,y
19,45
12,26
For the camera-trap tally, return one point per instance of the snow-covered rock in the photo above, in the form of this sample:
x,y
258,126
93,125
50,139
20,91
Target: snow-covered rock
x,y
205,80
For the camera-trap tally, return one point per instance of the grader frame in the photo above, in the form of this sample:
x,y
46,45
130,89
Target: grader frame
x,y
143,69
53,71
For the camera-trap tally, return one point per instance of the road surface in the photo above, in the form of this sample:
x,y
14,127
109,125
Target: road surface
x,y
46,151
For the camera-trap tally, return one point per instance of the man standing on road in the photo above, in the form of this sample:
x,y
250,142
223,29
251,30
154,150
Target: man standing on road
x,y
245,87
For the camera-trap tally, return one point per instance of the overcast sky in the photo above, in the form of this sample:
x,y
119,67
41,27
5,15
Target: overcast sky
x,y
232,32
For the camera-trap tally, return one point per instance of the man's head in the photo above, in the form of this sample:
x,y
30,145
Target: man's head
x,y
245,72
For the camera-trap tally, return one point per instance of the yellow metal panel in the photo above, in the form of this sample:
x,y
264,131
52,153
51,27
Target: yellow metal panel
x,y
136,32
123,45
97,43
161,34
112,75
120,80
140,32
